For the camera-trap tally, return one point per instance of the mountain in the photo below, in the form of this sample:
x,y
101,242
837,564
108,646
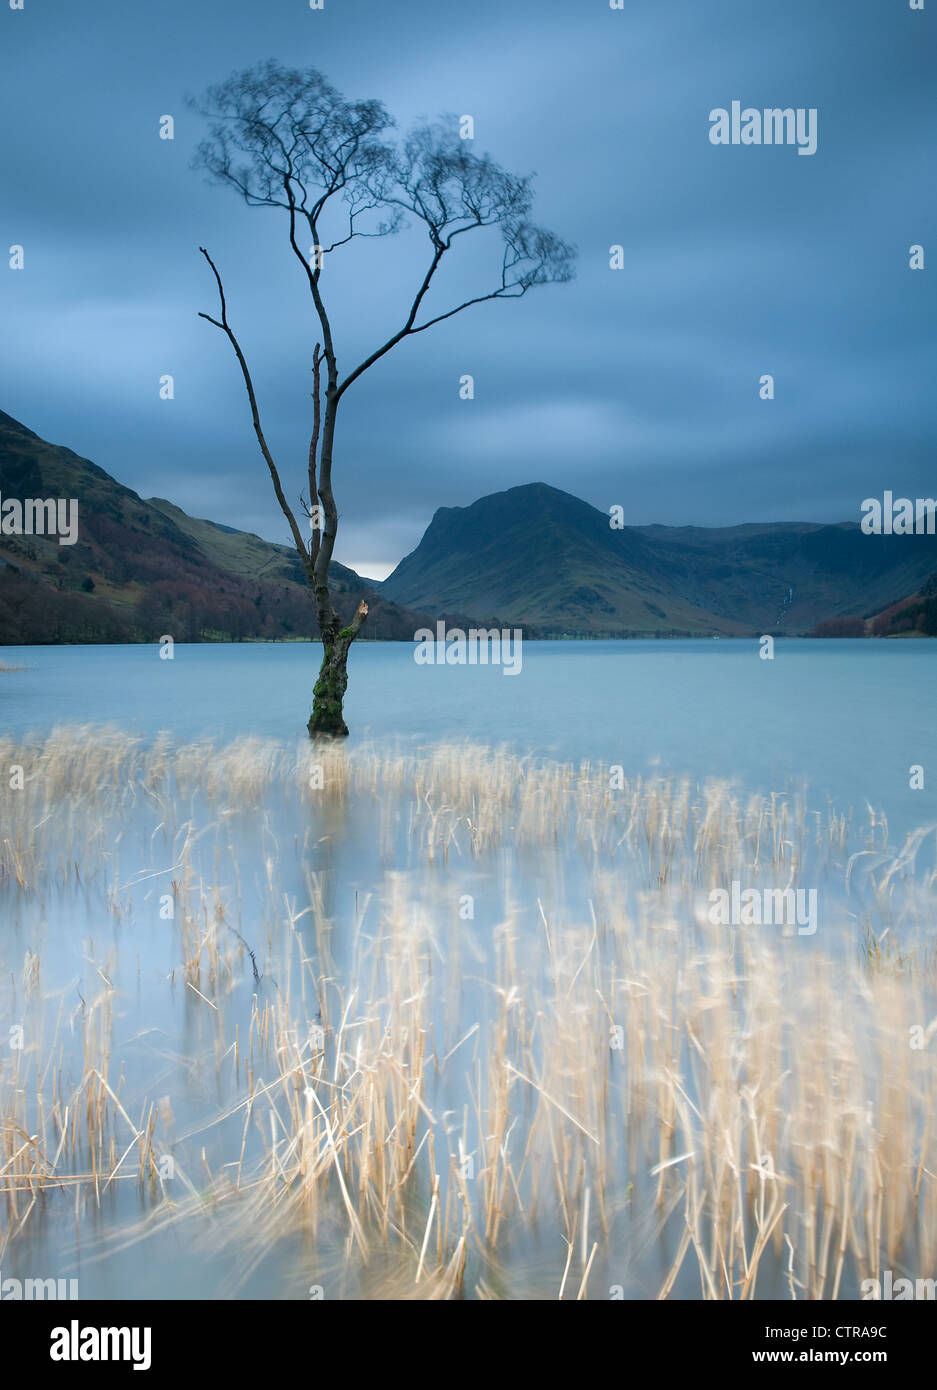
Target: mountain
x,y
913,616
531,557
536,557
140,569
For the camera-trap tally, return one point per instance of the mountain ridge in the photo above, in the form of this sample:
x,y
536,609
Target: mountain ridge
x,y
143,568
531,556
535,554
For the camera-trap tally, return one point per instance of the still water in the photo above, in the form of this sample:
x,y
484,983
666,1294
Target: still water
x,y
848,718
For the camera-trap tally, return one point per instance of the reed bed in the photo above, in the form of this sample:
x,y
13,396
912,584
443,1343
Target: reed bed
x,y
580,1088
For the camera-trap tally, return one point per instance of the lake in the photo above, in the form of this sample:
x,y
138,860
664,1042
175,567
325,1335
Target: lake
x,y
847,717
443,1009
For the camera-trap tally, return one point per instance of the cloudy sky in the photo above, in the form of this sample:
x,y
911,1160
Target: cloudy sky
x,y
638,386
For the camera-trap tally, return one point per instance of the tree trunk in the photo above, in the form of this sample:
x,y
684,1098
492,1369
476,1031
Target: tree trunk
x,y
327,719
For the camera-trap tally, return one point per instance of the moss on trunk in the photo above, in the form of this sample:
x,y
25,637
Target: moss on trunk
x,y
327,719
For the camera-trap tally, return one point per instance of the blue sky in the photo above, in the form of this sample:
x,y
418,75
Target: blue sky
x,y
638,387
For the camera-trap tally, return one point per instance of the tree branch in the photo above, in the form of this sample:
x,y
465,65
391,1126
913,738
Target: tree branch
x,y
402,333
313,278
314,447
255,414
361,612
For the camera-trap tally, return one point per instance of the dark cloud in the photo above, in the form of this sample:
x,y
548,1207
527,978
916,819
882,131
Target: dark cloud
x,y
638,386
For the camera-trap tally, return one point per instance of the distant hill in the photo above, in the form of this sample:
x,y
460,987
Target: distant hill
x,y
535,556
914,616
532,557
144,568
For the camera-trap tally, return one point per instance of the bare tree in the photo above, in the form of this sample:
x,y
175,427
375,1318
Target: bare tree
x,y
287,139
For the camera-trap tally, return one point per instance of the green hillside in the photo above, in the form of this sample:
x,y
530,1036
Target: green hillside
x,y
536,555
140,569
